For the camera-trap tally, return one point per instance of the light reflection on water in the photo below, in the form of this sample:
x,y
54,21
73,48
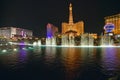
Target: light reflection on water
x,y
72,62
61,63
110,61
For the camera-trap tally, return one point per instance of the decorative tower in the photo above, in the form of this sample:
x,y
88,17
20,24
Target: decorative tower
x,y
70,15
72,28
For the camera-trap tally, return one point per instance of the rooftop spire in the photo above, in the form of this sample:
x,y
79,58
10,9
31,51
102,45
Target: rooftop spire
x,y
70,14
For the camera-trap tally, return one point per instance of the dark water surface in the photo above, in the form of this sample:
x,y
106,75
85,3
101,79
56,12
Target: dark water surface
x,y
60,63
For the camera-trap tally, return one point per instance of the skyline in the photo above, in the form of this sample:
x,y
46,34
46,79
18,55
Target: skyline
x,y
35,15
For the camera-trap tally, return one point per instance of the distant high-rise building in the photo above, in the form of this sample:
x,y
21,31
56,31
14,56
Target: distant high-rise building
x,y
12,32
114,19
51,30
71,27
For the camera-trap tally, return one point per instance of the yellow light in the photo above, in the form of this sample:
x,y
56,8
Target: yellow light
x,y
14,49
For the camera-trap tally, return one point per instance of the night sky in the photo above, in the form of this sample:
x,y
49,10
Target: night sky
x,y
35,14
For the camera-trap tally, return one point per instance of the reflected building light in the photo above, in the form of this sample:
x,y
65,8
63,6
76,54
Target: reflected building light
x,y
23,55
109,59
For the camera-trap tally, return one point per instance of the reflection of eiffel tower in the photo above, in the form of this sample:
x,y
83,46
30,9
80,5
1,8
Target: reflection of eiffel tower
x,y
71,27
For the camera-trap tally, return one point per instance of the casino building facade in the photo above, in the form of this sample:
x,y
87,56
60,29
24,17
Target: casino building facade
x,y
13,32
114,19
51,30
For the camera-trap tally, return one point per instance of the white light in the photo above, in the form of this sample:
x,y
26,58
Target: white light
x,y
14,49
4,50
34,43
23,48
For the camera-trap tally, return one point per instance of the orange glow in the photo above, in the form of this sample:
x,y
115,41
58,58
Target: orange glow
x,y
77,27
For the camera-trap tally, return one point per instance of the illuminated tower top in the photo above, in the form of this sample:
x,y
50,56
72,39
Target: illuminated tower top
x,y
70,14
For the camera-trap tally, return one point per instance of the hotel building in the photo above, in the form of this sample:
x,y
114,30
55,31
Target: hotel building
x,y
51,30
13,32
114,19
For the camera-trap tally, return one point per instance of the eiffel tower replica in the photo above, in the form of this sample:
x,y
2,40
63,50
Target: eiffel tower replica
x,y
72,29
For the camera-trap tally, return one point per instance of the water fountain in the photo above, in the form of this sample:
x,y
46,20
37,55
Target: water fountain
x,y
84,40
39,42
48,41
64,40
67,41
34,44
106,41
87,40
91,41
71,42
51,41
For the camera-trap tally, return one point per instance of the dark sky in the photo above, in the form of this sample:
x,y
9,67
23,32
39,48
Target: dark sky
x,y
35,14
